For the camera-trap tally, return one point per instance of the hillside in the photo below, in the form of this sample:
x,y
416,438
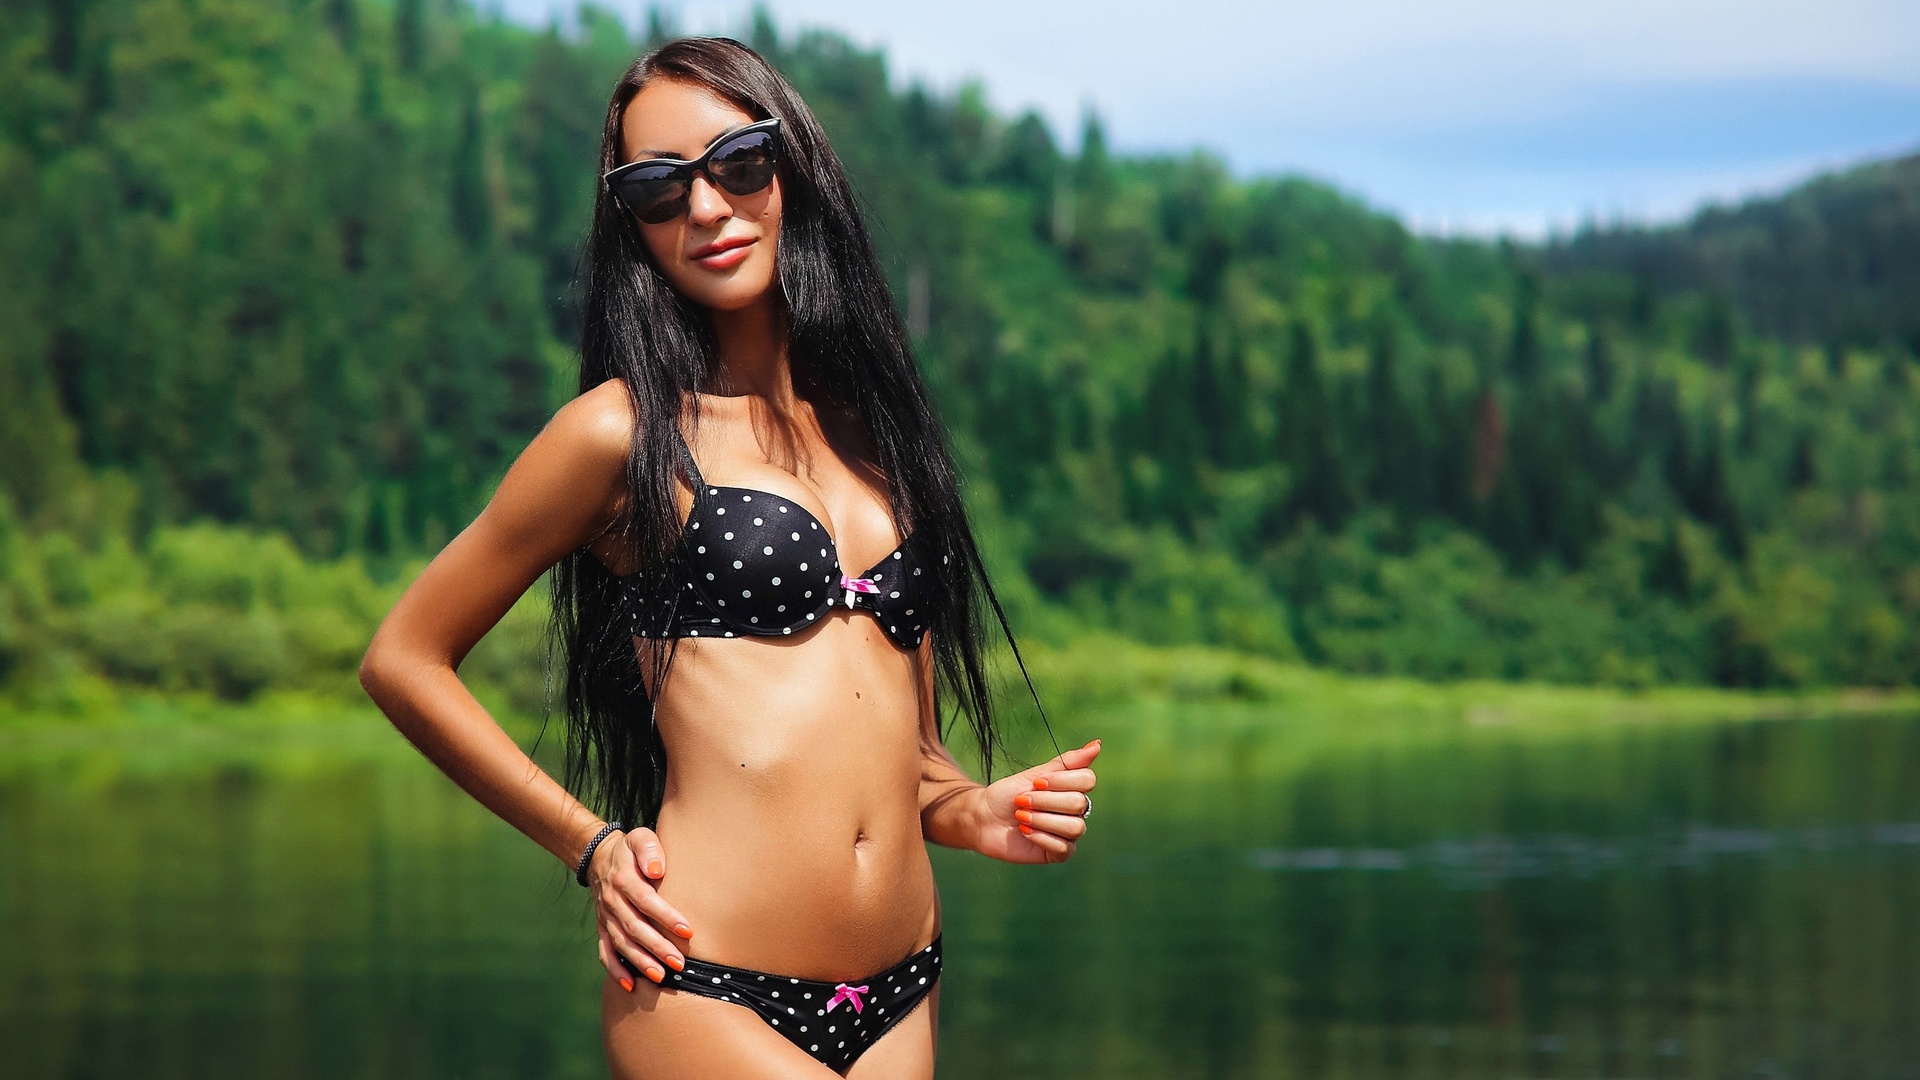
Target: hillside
x,y
304,268
1833,262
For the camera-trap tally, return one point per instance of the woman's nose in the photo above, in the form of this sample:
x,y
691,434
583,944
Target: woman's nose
x,y
707,204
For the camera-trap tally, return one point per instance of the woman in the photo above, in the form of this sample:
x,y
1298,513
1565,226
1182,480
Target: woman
x,y
750,431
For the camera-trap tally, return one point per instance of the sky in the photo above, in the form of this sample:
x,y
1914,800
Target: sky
x,y
1481,117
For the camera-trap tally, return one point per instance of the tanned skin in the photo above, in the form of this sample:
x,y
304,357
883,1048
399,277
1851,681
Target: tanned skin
x,y
806,772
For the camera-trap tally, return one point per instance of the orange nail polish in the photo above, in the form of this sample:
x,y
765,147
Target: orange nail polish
x,y
683,929
654,869
656,974
1026,830
1040,783
626,984
1025,816
676,963
1023,801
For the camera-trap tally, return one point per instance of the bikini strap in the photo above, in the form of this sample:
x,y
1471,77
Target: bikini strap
x,y
686,461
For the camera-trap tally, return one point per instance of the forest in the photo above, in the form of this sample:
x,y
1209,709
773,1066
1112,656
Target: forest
x,y
286,284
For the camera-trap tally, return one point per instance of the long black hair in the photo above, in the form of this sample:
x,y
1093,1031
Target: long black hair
x,y
847,346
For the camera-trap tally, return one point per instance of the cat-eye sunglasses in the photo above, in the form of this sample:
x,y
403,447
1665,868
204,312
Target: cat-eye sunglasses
x,y
740,162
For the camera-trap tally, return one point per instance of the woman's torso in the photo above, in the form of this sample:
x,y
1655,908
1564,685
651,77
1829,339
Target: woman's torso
x,y
791,811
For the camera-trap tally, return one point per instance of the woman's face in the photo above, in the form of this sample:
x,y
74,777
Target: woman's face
x,y
720,253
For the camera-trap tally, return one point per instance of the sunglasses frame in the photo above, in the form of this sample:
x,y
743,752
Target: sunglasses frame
x,y
698,166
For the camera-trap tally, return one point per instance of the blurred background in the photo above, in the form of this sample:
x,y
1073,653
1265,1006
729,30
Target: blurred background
x,y
1460,457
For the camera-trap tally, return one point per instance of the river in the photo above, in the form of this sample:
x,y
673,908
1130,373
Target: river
x,y
1639,900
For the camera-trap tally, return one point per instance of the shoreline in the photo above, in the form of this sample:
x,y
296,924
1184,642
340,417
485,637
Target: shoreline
x,y
1111,682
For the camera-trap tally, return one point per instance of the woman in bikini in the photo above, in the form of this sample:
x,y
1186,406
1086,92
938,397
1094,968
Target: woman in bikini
x,y
770,604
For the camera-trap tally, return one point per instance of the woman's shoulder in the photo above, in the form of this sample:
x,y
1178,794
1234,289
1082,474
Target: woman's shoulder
x,y
567,486
598,424
582,450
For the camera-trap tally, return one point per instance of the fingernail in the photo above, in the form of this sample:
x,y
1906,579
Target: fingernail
x,y
1023,800
676,963
654,869
626,984
1040,783
1026,830
656,974
683,929
1024,816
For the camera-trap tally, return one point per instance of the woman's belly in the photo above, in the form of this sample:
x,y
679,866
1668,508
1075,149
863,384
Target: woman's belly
x,y
791,817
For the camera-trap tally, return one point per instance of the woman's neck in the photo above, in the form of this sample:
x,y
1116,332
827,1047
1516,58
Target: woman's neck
x,y
752,353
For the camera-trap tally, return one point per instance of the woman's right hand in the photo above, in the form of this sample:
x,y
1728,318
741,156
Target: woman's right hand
x,y
624,874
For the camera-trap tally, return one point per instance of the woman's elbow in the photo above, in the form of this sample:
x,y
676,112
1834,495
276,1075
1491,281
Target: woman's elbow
x,y
401,679
370,671
379,675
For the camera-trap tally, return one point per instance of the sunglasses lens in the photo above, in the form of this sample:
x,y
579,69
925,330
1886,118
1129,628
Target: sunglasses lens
x,y
744,164
741,165
665,208
654,193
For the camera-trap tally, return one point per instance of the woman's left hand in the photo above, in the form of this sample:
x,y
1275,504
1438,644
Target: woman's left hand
x,y
1038,815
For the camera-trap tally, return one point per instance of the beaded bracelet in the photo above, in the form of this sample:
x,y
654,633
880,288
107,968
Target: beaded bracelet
x,y
586,857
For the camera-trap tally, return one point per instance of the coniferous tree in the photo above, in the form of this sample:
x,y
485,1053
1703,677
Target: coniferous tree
x,y
472,214
1306,437
1211,407
1598,364
409,34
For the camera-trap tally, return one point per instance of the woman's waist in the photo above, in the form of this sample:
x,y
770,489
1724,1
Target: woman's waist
x,y
802,900
835,842
852,754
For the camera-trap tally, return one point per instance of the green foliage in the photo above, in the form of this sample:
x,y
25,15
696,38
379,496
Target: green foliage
x,y
233,259
306,269
212,611
1832,263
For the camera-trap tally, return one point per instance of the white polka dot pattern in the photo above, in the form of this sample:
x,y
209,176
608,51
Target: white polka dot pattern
x,y
855,1013
762,578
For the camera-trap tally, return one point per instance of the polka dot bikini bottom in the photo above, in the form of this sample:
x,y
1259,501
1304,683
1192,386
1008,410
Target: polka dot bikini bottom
x,y
833,1022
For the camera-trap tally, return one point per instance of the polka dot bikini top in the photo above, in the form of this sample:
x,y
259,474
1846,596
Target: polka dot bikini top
x,y
752,562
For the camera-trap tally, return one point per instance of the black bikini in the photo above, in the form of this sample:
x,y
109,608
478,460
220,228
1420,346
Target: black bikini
x,y
754,563
751,562
833,1022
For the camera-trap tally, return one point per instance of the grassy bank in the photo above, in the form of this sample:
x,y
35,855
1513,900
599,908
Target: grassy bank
x,y
1140,699
1137,683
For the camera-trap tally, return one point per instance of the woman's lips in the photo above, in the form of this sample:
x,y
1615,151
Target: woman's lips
x,y
724,253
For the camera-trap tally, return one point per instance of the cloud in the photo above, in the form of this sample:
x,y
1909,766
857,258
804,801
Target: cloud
x,y
1431,108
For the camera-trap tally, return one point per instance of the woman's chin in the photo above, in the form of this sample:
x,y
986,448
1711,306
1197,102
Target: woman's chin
x,y
727,290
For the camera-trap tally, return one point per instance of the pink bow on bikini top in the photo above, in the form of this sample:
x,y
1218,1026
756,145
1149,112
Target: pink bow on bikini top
x,y
843,992
857,585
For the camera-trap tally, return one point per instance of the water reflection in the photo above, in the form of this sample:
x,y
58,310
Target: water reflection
x,y
1706,901
1481,860
1684,902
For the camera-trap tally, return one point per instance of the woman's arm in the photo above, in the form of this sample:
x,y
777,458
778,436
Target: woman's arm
x,y
952,811
564,492
1032,816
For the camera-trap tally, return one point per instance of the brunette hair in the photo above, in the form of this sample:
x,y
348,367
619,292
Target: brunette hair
x,y
848,349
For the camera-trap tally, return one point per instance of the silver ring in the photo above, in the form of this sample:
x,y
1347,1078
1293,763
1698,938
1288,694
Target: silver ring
x,y
1088,812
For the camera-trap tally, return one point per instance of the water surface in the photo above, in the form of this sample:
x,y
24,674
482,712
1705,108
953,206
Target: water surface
x,y
1697,900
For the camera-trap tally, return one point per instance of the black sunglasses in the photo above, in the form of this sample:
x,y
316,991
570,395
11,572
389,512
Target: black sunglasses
x,y
739,162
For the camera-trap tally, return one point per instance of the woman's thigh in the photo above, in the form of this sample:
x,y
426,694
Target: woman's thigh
x,y
905,1052
652,1034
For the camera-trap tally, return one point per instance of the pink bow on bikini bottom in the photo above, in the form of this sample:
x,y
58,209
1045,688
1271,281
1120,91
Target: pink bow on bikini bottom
x,y
843,992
